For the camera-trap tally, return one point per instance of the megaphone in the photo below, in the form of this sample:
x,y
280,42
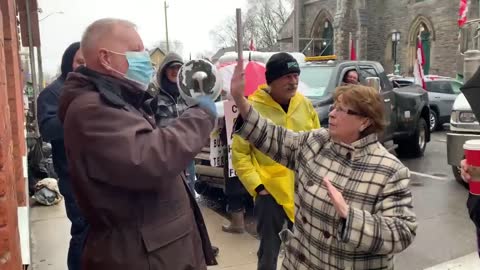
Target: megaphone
x,y
198,78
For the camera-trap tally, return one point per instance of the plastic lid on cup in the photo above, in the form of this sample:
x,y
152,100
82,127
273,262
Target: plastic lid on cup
x,y
472,145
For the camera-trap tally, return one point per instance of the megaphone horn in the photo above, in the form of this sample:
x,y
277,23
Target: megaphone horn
x,y
196,78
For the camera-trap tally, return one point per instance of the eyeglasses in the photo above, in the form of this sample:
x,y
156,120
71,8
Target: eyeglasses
x,y
342,110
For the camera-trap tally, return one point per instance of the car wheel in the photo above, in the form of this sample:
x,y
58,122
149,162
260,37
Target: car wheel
x,y
458,176
433,120
416,144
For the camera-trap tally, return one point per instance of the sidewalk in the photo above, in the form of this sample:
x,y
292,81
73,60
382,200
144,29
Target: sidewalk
x,y
50,236
471,261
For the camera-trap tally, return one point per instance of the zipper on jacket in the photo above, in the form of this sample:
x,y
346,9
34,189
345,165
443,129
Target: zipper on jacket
x,y
173,99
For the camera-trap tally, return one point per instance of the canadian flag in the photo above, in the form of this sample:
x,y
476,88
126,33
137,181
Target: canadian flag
x,y
251,47
462,12
418,65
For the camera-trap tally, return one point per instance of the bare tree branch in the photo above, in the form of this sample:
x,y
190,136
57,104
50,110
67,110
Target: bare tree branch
x,y
262,22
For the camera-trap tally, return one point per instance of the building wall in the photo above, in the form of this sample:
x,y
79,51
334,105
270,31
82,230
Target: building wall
x,y
157,58
403,15
12,142
371,23
313,10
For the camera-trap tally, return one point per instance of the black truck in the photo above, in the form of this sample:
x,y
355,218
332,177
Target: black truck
x,y
406,111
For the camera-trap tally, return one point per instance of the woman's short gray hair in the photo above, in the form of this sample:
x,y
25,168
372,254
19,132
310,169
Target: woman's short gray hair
x,y
100,29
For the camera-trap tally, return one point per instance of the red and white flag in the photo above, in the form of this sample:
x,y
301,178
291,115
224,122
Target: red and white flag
x,y
462,12
418,65
353,51
251,47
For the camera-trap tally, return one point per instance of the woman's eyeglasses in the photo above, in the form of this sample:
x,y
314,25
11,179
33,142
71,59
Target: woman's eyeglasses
x,y
342,110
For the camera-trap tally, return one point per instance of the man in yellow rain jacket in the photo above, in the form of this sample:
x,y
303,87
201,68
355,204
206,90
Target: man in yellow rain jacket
x,y
270,183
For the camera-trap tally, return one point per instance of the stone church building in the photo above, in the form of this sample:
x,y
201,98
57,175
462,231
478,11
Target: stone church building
x,y
327,26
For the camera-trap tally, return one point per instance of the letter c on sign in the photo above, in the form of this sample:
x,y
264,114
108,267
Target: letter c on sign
x,y
234,108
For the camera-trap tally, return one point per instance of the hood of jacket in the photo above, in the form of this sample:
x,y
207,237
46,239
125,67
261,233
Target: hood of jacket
x,y
167,61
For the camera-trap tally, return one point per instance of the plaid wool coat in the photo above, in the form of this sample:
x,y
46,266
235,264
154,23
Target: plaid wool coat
x,y
374,183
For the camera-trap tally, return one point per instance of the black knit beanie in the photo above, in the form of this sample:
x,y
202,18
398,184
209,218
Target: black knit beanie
x,y
280,64
67,59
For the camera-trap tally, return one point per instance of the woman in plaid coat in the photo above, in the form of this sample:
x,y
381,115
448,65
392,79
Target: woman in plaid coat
x,y
352,198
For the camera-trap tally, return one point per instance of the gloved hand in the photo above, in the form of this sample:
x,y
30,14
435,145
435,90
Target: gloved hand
x,y
207,104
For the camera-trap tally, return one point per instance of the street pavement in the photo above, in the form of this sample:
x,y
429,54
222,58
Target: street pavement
x,y
445,231
445,236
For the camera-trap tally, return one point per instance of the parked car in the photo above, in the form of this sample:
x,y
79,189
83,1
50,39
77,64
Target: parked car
x,y
407,111
442,92
464,126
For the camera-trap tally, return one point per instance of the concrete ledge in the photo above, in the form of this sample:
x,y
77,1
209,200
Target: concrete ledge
x,y
469,262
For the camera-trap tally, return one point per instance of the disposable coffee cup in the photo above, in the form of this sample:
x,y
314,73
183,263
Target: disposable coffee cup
x,y
472,154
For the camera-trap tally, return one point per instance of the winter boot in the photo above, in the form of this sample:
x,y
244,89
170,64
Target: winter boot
x,y
237,225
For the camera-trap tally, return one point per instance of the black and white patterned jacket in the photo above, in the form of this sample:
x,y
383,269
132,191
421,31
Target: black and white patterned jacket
x,y
374,183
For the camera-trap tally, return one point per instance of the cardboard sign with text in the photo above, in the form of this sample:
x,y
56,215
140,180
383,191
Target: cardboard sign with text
x,y
217,145
231,114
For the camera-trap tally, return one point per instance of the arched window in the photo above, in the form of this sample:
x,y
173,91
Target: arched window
x,y
424,35
421,29
321,41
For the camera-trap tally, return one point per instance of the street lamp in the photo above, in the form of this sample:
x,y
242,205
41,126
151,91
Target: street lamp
x,y
50,14
395,41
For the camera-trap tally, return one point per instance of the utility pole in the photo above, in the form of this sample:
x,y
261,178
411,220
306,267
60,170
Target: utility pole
x,y
166,25
296,25
40,69
33,72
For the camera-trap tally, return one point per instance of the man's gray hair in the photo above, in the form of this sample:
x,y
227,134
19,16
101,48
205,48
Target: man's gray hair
x,y
100,29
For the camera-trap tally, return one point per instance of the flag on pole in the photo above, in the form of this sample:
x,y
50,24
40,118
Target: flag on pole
x,y
353,52
462,12
251,47
418,65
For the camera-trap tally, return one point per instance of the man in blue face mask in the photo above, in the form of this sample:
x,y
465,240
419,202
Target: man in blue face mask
x,y
127,173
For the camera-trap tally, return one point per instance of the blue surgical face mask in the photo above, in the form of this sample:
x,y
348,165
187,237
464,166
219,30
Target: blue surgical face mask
x,y
140,70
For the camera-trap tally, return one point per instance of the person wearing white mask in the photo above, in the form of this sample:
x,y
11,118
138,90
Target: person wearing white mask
x,y
127,173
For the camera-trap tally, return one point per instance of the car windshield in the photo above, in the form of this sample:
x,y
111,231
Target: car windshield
x,y
314,81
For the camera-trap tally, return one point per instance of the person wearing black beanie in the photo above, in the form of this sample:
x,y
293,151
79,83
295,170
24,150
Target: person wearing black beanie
x,y
281,64
271,184
68,59
51,130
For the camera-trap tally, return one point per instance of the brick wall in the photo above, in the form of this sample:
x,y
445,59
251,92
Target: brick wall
x,y
12,142
15,98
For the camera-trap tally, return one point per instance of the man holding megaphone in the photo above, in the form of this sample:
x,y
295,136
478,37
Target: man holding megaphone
x,y
127,173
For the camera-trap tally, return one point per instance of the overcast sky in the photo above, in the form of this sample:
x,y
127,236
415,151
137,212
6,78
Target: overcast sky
x,y
189,21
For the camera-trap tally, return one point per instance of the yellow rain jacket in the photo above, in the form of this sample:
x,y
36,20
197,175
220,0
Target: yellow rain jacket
x,y
253,167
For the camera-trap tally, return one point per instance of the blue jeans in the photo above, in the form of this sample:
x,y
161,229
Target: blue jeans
x,y
79,228
190,172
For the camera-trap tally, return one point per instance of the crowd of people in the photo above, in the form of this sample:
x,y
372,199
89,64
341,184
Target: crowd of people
x,y
124,141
